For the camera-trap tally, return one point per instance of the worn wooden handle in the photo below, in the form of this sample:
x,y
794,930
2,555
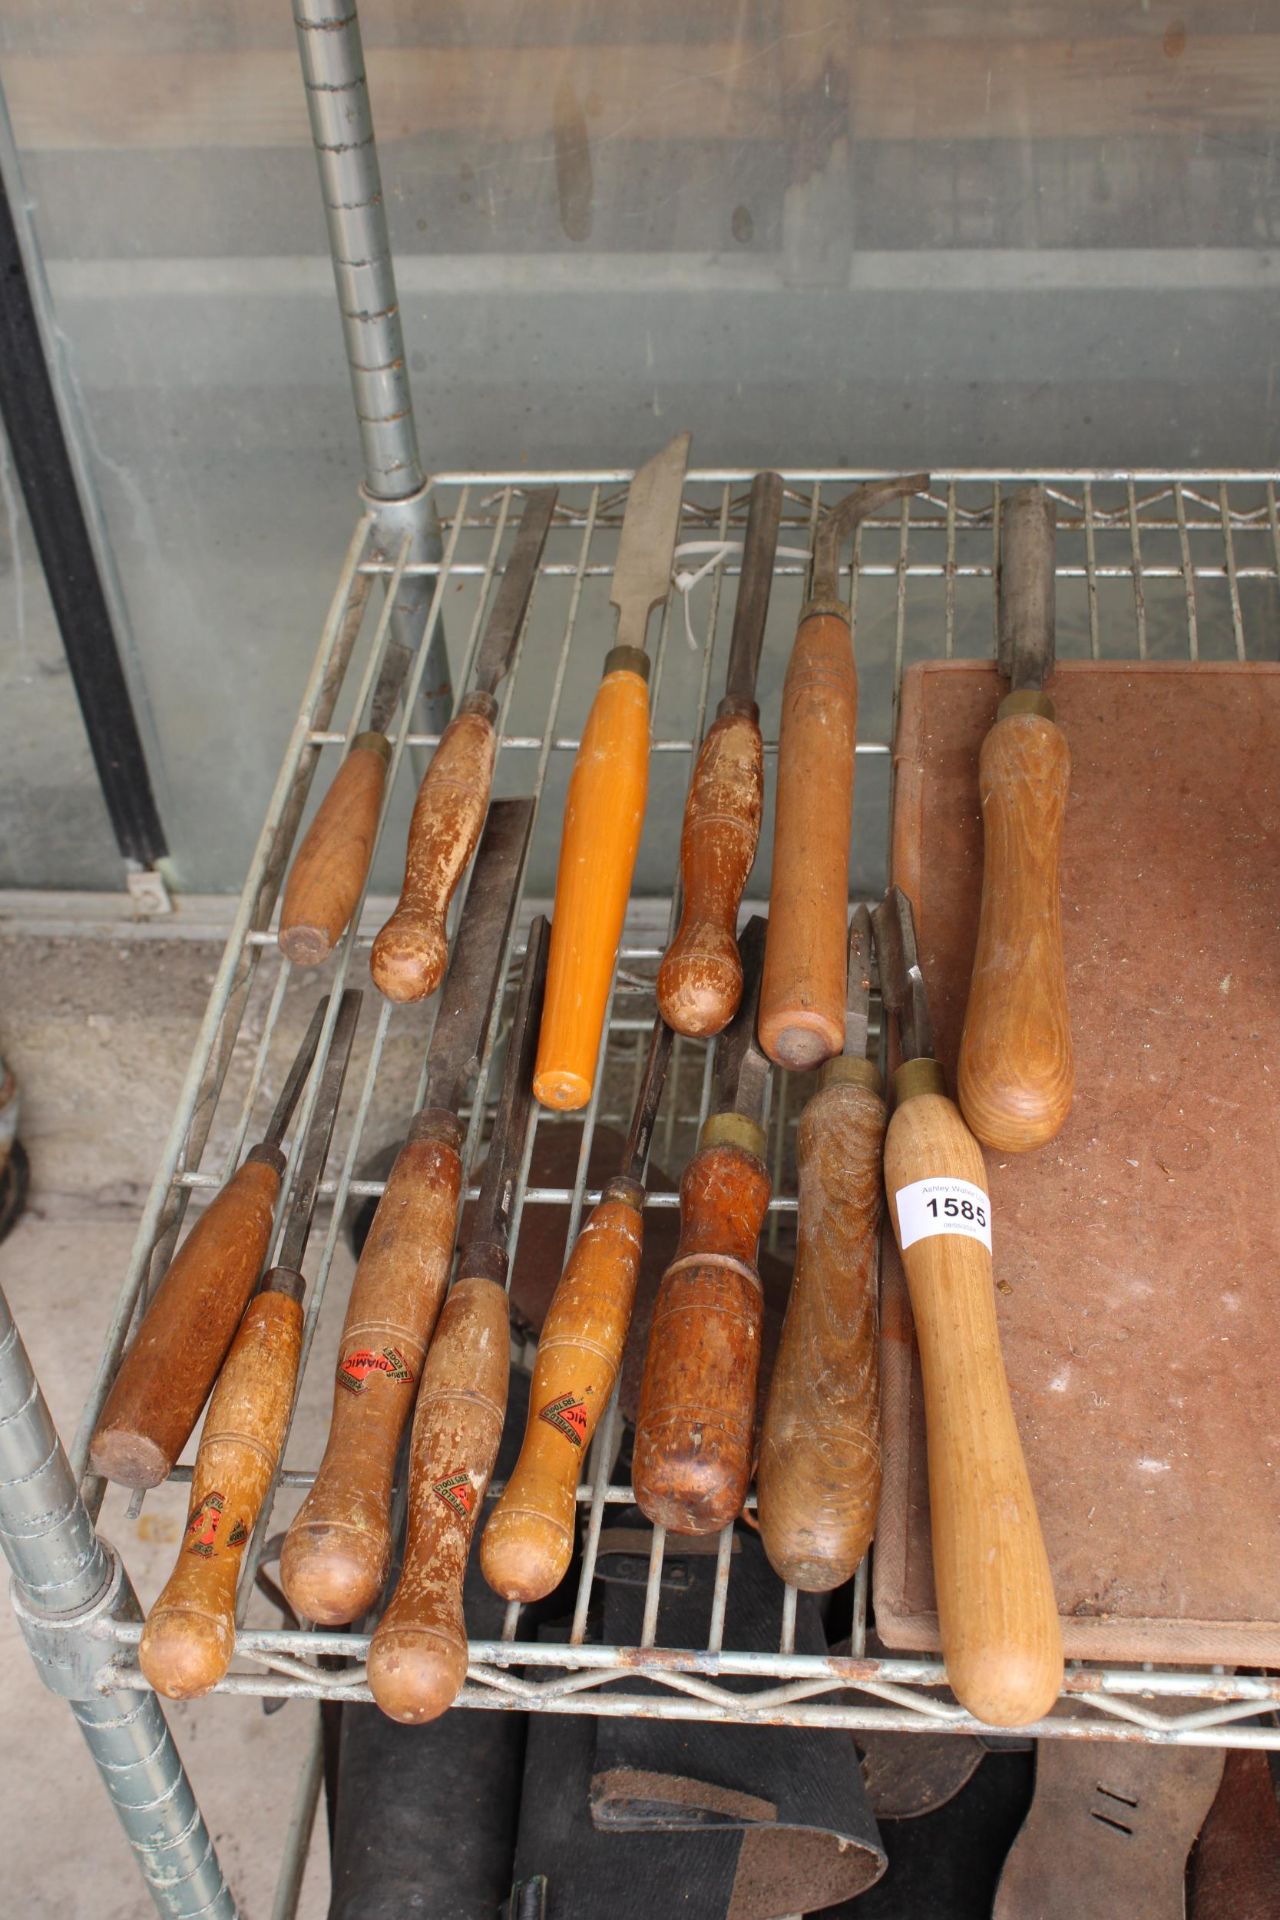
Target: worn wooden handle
x,y
332,864
336,1553
418,1656
700,980
696,1424
190,1633
818,1481
1016,1076
166,1375
528,1542
1000,1632
603,817
411,952
802,993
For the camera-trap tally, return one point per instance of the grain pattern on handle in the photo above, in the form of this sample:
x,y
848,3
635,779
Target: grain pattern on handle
x,y
700,980
189,1637
337,1551
1016,1077
418,1656
696,1421
528,1542
802,994
1001,1638
411,952
165,1377
603,817
332,864
818,1481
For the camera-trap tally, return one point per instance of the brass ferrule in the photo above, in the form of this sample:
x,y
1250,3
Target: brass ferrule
x,y
918,1076
850,1070
627,660
375,742
1030,700
733,1130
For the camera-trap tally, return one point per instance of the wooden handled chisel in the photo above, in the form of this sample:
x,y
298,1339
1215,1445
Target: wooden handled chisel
x,y
189,1637
604,809
338,1549
802,1004
528,1542
410,953
418,1655
695,1426
700,980
1001,1638
165,1377
1016,1077
818,1480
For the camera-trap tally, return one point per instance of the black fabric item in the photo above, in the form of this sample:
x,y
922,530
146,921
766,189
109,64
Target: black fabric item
x,y
423,1819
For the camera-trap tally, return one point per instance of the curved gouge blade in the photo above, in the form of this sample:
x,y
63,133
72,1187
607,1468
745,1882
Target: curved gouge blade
x,y
844,519
755,585
642,575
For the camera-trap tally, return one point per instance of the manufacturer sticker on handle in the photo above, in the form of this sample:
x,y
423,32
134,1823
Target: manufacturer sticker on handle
x,y
943,1205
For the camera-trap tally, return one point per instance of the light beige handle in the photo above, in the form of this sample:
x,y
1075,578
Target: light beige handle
x,y
1001,1637
1016,1077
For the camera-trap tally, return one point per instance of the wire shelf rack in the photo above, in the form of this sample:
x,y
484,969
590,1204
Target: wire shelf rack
x,y
1150,565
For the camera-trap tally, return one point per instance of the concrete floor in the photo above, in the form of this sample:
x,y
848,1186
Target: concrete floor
x,y
99,1033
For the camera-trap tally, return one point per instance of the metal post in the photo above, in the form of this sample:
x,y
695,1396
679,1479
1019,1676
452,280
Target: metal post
x,y
332,58
68,1590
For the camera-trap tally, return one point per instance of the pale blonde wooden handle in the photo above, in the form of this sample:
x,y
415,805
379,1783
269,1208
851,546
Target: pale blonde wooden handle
x,y
190,1633
1001,1637
528,1542
418,1655
1016,1077
332,864
411,952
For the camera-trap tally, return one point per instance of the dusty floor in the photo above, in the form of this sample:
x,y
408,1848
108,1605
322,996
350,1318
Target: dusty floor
x,y
99,1035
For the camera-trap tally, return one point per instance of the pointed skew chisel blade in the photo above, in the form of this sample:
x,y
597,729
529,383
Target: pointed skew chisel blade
x,y
297,1076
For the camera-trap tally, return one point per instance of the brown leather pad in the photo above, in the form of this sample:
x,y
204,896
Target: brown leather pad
x,y
1137,1257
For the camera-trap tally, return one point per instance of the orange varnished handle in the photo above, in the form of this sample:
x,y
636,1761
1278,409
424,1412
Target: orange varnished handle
x,y
411,952
603,817
700,980
189,1637
1001,1637
528,1542
418,1656
166,1375
332,864
696,1422
336,1553
802,993
818,1481
1016,1075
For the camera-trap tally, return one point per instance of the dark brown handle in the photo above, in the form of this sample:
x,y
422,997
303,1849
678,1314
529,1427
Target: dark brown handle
x,y
1016,1076
332,864
337,1551
802,994
528,1542
818,1482
166,1375
700,980
696,1423
189,1637
418,1656
411,952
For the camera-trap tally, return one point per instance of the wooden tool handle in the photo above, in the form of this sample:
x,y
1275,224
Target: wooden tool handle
x,y
1015,1075
692,1460
418,1656
1000,1633
189,1637
802,994
528,1542
332,864
603,817
818,1481
166,1375
700,980
411,952
337,1551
